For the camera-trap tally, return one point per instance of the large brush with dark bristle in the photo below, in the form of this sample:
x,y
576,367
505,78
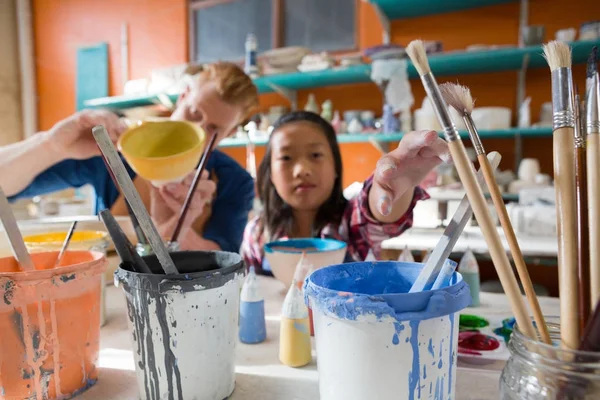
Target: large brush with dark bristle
x,y
558,55
416,52
459,97
592,128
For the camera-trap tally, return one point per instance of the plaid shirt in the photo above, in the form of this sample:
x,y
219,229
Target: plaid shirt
x,y
358,228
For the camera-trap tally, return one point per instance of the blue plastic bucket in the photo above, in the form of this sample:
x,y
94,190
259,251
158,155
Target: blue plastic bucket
x,y
376,341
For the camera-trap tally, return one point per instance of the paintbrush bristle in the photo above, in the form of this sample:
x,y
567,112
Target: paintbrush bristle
x,y
557,54
417,54
457,96
592,67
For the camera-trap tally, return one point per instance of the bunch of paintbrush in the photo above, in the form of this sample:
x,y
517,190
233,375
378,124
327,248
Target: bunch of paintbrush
x,y
188,199
459,97
416,52
132,197
577,193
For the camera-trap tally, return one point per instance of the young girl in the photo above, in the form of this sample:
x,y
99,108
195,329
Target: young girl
x,y
300,186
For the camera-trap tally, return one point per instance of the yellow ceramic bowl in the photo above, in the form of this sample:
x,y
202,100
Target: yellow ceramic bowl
x,y
81,240
163,151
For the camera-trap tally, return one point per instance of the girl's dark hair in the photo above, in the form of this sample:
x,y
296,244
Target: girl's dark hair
x,y
277,216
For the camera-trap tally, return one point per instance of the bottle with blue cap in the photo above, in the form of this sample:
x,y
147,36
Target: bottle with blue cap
x,y
253,327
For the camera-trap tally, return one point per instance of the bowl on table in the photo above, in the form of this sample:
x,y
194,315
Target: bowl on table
x,y
283,255
163,151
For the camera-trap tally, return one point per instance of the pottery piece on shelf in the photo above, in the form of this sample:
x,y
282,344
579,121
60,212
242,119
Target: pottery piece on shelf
x,y
336,122
326,110
390,122
311,104
355,126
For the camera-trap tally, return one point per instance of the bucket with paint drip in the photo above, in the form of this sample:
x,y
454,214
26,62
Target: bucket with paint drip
x,y
50,325
376,341
185,326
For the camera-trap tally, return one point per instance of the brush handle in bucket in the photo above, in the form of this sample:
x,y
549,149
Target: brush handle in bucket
x,y
488,228
564,182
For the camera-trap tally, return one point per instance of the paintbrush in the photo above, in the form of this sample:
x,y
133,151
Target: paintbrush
x,y
592,124
443,248
463,165
583,262
459,97
139,233
132,196
65,244
14,234
123,246
558,56
188,199
591,334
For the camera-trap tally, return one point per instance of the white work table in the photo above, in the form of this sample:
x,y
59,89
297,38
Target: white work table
x,y
471,238
260,375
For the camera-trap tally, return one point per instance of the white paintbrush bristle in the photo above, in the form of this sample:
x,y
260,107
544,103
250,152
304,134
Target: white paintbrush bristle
x,y
417,54
557,54
458,97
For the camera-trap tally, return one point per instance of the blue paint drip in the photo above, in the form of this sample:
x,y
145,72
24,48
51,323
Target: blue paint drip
x,y
430,387
414,377
424,371
430,348
437,389
440,364
398,327
407,339
451,352
442,389
301,328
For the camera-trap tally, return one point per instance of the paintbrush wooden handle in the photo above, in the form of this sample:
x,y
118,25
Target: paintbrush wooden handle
x,y
515,250
484,219
14,234
566,213
593,191
583,244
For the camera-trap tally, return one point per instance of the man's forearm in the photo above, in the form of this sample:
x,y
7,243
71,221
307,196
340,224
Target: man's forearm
x,y
21,162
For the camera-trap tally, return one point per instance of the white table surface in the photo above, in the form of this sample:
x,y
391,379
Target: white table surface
x,y
471,238
260,375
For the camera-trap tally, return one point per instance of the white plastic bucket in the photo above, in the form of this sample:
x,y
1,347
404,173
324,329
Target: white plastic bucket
x,y
376,341
185,327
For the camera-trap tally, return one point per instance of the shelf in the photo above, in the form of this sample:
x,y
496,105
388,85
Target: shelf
x,y
402,9
396,137
503,59
127,101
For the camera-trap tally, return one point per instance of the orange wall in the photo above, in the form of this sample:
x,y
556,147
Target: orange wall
x,y
158,38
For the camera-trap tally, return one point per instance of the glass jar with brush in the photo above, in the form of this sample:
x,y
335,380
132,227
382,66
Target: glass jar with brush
x,y
536,370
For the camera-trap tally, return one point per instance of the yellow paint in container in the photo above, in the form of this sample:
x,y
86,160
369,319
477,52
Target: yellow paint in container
x,y
81,240
294,333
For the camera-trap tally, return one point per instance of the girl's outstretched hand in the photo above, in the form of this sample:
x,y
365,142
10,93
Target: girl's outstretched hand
x,y
401,170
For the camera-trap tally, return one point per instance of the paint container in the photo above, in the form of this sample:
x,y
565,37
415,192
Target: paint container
x,y
376,341
469,269
50,325
185,326
82,240
253,327
294,334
